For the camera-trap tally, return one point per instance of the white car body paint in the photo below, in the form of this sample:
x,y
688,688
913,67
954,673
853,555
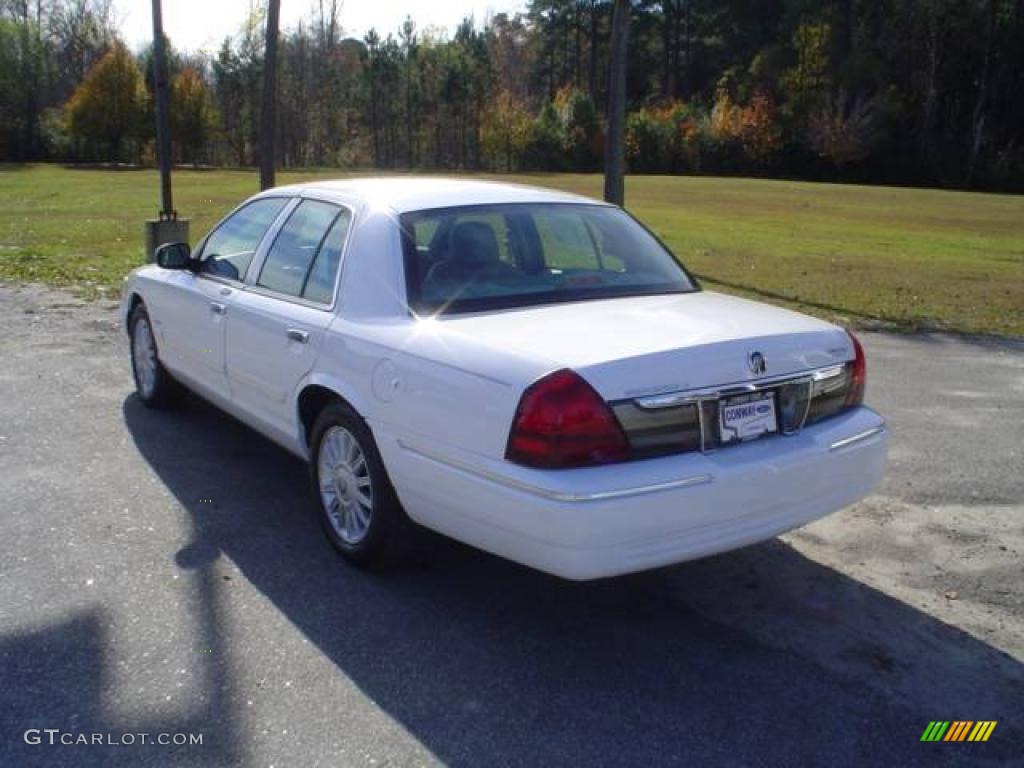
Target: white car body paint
x,y
440,393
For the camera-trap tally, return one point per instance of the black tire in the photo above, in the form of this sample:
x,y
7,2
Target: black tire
x,y
386,536
165,391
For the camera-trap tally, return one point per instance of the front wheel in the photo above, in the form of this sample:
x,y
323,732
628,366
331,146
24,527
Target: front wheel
x,y
153,383
359,510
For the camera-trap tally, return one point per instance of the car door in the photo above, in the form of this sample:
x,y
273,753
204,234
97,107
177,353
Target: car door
x,y
276,325
192,307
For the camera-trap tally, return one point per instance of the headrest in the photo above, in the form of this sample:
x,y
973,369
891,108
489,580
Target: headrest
x,y
474,244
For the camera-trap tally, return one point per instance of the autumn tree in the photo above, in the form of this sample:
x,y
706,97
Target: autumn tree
x,y
192,115
506,131
107,110
759,130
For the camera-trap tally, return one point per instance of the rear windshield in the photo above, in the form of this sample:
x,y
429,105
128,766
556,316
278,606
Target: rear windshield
x,y
495,256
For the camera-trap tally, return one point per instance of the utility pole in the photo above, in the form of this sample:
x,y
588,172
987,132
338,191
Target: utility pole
x,y
167,228
268,113
615,149
163,134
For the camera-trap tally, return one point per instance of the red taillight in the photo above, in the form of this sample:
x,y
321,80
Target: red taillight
x,y
562,422
859,379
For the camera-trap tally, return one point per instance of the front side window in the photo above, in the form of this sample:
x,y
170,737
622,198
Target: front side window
x,y
303,261
229,248
492,256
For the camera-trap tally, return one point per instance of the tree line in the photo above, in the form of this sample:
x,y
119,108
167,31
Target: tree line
x,y
884,91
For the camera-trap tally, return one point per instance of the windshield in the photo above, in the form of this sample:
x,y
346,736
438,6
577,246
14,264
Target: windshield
x,y
495,256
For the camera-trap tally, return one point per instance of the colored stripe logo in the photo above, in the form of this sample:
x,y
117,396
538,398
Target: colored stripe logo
x,y
958,730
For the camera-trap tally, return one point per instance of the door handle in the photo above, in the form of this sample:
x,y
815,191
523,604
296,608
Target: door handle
x,y
217,308
296,335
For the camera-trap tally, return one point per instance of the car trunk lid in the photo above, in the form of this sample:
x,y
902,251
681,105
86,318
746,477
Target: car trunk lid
x,y
638,346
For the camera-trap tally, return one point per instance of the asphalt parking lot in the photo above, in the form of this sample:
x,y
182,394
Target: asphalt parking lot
x,y
163,573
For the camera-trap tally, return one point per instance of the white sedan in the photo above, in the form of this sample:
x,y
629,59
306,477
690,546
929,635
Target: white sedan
x,y
527,371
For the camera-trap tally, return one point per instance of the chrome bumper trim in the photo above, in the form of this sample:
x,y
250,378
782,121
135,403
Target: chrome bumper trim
x,y
848,441
547,493
698,397
690,396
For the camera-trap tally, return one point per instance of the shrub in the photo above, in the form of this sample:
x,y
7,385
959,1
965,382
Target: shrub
x,y
581,129
666,138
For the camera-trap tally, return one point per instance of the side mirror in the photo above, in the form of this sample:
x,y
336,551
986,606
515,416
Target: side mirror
x,y
173,256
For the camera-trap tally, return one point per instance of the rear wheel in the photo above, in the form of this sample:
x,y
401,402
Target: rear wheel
x,y
359,510
154,385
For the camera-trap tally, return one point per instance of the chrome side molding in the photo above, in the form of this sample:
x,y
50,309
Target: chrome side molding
x,y
860,436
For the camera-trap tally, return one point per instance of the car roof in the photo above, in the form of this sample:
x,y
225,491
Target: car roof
x,y
414,193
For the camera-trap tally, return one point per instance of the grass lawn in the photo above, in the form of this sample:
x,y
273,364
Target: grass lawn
x,y
859,255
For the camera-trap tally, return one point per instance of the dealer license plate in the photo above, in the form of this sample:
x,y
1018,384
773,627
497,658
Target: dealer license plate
x,y
746,417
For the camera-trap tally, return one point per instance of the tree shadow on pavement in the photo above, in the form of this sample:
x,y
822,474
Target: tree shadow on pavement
x,y
760,656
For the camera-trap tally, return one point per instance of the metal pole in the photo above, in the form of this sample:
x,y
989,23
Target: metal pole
x,y
163,134
268,116
615,152
167,228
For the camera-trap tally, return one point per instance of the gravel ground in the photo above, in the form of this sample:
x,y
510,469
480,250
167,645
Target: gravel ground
x,y
163,573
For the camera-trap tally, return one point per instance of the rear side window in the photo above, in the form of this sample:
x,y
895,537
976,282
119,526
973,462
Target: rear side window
x,y
324,272
229,248
307,248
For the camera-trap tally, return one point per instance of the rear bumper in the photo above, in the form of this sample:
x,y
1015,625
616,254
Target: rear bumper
x,y
603,521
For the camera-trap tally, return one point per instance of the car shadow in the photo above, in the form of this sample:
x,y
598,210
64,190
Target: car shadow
x,y
759,656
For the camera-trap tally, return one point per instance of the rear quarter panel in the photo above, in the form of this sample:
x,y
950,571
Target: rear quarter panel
x,y
414,379
414,384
